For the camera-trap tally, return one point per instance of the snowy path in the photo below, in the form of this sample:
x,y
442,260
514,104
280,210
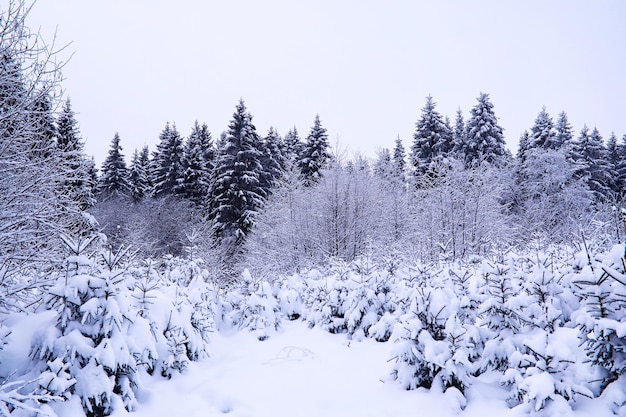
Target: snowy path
x,y
300,372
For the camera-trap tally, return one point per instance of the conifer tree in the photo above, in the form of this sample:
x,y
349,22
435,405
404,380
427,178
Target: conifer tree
x,y
613,162
114,179
139,174
167,175
590,155
542,134
77,184
399,159
293,145
523,146
315,154
198,157
236,194
621,168
563,132
459,131
432,139
274,163
485,140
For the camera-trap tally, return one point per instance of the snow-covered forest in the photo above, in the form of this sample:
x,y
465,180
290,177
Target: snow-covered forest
x,y
477,266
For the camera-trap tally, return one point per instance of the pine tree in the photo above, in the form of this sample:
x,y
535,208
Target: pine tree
x,y
459,131
621,168
523,147
399,159
272,159
432,139
315,154
542,134
114,179
590,155
563,132
139,175
613,162
198,157
293,145
485,140
77,184
167,175
236,194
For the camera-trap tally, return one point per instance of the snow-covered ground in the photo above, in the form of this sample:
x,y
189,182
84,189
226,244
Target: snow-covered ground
x,y
309,372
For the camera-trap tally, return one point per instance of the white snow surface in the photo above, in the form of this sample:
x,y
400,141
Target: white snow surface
x,y
309,372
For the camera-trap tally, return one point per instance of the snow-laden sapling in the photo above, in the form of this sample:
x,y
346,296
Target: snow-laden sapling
x,y
94,341
259,310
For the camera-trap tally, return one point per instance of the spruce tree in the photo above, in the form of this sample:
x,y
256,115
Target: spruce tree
x,y
114,179
399,159
236,194
563,132
590,155
139,175
167,175
431,140
198,157
293,145
459,131
613,161
315,154
542,134
484,140
273,160
77,184
621,168
523,146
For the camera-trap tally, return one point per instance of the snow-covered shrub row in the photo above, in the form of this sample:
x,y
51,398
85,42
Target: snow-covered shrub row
x,y
114,325
552,327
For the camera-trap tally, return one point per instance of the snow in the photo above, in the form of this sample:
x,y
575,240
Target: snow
x,y
309,373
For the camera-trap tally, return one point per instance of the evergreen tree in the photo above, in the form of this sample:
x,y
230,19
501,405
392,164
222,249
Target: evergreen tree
x,y
293,145
590,155
272,159
563,132
459,131
198,157
399,159
613,161
139,174
43,123
485,140
523,147
236,194
77,184
621,168
432,139
114,179
542,134
167,175
315,154
383,167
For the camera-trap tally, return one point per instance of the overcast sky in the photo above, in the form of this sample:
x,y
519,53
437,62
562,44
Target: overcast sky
x,y
365,66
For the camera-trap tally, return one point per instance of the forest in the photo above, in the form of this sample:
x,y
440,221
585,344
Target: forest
x,y
475,258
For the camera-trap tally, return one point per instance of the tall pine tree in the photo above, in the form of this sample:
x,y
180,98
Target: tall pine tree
x,y
139,175
315,154
167,174
114,179
542,134
432,139
198,158
77,183
484,140
236,193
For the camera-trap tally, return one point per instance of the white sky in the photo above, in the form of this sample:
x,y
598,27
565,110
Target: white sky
x,y
365,66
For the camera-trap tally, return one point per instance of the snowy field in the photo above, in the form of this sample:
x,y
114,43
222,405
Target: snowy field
x,y
309,372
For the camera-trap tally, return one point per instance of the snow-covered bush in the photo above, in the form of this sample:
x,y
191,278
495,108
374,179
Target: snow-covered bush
x,y
602,320
255,307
